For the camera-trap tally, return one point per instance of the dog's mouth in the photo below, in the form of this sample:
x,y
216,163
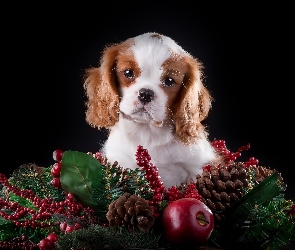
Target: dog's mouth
x,y
142,116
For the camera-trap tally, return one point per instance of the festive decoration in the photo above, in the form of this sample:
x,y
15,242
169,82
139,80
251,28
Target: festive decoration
x,y
187,223
131,212
221,187
82,201
103,237
57,155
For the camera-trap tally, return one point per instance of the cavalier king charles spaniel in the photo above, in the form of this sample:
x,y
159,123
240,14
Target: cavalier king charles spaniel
x,y
148,91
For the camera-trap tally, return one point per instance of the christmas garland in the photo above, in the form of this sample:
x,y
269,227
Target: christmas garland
x,y
84,202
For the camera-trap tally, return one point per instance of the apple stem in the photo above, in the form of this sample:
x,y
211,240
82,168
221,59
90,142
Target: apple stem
x,y
202,219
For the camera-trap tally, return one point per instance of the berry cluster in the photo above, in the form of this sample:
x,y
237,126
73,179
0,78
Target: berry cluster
x,y
20,242
42,213
143,160
184,191
69,227
159,192
228,156
251,162
55,171
48,243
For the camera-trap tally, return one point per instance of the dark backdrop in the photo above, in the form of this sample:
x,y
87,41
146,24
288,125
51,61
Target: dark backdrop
x,y
246,51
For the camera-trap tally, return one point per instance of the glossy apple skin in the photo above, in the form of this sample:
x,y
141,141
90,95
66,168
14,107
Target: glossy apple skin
x,y
181,224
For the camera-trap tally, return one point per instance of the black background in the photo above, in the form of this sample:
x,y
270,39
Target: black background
x,y
246,50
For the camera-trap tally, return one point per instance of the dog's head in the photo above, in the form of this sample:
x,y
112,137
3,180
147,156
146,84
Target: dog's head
x,y
148,79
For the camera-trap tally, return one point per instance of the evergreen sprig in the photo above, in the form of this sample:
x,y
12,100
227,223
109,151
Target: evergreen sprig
x,y
100,237
8,231
257,220
30,176
261,219
114,183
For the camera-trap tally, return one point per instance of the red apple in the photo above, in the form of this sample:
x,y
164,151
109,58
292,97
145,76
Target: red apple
x,y
187,222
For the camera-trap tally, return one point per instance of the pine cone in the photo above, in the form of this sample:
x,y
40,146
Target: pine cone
x,y
220,188
260,173
131,212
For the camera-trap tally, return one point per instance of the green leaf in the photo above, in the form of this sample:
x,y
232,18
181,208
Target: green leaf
x,y
79,172
21,201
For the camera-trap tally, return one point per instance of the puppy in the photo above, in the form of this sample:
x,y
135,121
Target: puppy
x,y
148,91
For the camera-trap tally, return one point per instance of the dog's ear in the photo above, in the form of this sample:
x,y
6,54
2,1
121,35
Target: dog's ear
x,y
194,103
101,90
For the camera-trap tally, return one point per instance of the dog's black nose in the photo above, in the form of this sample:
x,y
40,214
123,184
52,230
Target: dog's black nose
x,y
145,95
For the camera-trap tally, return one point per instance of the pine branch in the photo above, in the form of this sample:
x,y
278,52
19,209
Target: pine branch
x,y
99,237
114,183
266,227
37,179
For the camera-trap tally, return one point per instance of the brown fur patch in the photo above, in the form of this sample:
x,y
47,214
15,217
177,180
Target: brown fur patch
x,y
126,61
101,88
193,104
176,69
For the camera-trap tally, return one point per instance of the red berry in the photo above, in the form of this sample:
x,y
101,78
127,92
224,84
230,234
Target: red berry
x,y
63,226
207,167
45,244
55,171
52,237
57,155
77,226
56,182
70,229
70,196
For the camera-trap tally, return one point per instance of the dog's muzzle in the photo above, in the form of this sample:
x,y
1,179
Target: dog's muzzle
x,y
154,123
145,96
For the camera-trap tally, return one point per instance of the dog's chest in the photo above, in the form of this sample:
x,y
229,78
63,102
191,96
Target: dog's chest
x,y
143,134
124,139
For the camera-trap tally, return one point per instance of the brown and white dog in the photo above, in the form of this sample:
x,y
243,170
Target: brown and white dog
x,y
148,91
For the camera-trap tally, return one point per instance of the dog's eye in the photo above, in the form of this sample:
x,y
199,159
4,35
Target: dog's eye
x,y
168,82
129,73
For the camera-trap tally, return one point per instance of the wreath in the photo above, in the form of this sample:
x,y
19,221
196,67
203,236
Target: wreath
x,y
82,201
